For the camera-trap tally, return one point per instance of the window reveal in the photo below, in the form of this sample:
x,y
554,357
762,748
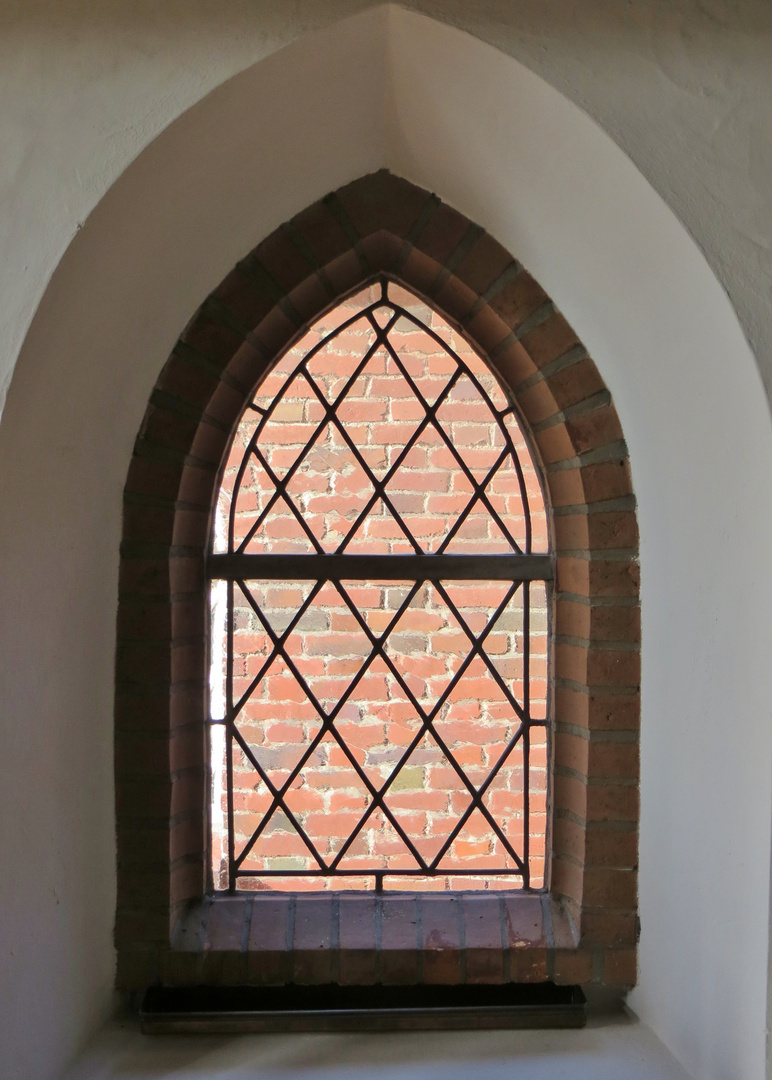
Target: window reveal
x,y
379,618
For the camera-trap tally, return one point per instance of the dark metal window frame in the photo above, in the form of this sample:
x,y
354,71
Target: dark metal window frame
x,y
237,568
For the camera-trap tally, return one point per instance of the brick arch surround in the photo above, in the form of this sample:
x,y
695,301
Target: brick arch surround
x,y
584,928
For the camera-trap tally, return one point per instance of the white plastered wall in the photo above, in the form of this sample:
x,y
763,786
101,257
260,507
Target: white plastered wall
x,y
456,116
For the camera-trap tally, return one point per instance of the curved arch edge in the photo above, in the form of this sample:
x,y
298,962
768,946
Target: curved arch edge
x,y
379,224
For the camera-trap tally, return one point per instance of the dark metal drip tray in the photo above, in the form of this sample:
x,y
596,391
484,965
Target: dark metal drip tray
x,y
210,1010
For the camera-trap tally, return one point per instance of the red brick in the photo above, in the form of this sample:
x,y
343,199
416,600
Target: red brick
x,y
567,879
345,271
538,402
382,250
599,928
247,299
570,793
420,271
482,935
486,329
524,922
309,298
606,480
358,963
279,256
571,966
590,430
513,364
275,331
213,339
571,532
382,201
400,958
321,231
573,619
612,802
269,958
518,299
442,233
441,940
614,760
454,298
610,888
222,947
312,956
528,964
620,967
554,445
549,340
483,264
612,848
575,383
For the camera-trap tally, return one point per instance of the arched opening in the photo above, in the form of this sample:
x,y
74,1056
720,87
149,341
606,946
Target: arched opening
x,y
583,927
379,648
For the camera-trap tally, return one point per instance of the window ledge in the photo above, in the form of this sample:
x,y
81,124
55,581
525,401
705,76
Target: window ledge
x,y
397,938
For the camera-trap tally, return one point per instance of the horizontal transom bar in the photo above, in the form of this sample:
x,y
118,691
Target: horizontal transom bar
x,y
387,567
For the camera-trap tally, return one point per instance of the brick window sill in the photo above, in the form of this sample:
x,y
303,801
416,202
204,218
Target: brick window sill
x,y
392,938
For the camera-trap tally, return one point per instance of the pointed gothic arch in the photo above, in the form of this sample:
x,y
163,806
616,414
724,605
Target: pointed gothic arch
x,y
583,927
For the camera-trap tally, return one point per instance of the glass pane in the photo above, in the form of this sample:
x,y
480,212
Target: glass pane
x,y
377,728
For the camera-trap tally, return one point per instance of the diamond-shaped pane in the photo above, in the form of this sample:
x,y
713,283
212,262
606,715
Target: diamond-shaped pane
x,y
251,643
429,490
381,412
333,364
536,505
504,798
489,384
328,797
427,646
291,421
327,648
477,721
504,494
347,309
378,723
471,426
330,488
252,801
228,489
277,379
427,797
277,722
379,533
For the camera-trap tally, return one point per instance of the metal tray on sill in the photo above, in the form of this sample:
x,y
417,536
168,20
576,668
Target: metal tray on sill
x,y
233,1010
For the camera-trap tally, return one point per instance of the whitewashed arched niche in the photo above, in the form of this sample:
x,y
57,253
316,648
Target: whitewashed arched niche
x,y
390,88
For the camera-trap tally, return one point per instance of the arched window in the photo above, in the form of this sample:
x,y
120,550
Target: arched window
x,y
428,700
379,652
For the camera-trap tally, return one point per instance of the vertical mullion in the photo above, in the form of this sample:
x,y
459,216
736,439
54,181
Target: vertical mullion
x,y
526,731
229,736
